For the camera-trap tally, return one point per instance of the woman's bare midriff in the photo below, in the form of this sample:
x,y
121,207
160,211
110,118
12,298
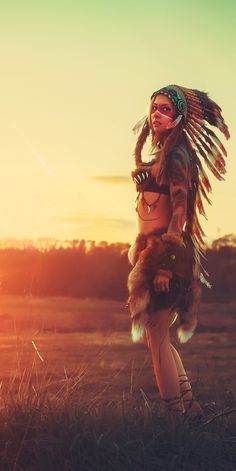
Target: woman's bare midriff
x,y
159,217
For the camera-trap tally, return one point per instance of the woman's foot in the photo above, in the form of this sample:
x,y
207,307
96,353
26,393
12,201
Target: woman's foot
x,y
174,405
193,410
191,406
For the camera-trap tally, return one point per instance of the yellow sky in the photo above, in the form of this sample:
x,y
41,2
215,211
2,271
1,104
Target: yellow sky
x,y
75,78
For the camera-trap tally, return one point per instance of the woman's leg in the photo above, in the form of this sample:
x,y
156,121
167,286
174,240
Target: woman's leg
x,y
164,364
185,387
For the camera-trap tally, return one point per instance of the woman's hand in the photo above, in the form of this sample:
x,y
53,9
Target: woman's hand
x,y
161,280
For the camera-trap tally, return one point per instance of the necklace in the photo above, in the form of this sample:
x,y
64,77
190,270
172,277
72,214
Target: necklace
x,y
149,207
144,219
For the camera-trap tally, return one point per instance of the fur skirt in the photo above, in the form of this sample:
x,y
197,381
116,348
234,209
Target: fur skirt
x,y
149,254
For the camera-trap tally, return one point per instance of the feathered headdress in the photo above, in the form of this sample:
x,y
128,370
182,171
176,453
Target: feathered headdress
x,y
197,110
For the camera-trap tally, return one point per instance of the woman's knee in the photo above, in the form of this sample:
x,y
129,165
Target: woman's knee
x,y
159,320
158,327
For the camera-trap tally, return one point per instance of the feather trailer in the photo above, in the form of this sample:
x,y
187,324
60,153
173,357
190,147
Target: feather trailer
x,y
202,174
197,236
203,192
213,147
199,204
213,144
215,138
198,225
214,156
198,232
222,126
203,154
219,161
140,123
213,153
209,163
205,181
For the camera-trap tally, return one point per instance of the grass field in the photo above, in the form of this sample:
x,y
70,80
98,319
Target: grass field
x,y
76,393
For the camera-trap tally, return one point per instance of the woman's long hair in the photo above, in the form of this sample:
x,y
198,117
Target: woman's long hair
x,y
174,137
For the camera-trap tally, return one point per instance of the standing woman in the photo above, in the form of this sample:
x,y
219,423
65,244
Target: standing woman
x,y
164,283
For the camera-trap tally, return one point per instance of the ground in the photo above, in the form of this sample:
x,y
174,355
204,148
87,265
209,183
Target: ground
x,y
60,336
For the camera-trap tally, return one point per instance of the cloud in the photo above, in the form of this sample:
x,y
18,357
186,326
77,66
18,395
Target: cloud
x,y
116,179
91,222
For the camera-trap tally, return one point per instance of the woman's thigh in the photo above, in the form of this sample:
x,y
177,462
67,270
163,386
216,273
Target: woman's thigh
x,y
157,328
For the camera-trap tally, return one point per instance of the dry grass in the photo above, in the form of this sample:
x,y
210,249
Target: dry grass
x,y
76,394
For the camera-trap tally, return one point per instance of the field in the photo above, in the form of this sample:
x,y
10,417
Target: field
x,y
66,358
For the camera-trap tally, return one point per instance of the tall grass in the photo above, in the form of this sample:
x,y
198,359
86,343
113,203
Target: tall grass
x,y
49,424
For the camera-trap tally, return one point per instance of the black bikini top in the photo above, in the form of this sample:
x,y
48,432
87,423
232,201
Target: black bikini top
x,y
152,185
145,181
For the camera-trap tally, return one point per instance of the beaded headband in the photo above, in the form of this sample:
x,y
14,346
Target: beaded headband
x,y
176,96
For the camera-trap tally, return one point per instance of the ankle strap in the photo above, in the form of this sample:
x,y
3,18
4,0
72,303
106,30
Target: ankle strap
x,y
184,392
172,400
182,381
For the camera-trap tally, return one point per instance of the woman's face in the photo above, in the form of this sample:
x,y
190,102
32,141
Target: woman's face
x,y
163,105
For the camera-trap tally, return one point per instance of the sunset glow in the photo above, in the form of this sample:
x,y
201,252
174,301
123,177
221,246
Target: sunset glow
x,y
75,79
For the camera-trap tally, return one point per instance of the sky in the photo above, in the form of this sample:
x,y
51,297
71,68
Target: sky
x,y
75,78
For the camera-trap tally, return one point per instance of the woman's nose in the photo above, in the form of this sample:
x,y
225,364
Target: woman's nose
x,y
157,113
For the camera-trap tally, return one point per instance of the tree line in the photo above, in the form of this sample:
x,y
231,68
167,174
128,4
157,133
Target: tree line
x,y
100,270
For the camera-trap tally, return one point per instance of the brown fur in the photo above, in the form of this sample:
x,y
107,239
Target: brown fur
x,y
149,261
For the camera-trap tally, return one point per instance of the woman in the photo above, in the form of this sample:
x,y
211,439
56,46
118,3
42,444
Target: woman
x,y
166,257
